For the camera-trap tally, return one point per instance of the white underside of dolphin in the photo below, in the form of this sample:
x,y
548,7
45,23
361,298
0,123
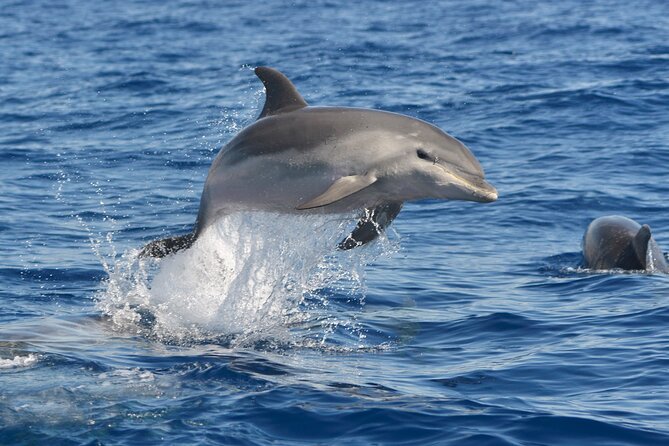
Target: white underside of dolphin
x,y
301,159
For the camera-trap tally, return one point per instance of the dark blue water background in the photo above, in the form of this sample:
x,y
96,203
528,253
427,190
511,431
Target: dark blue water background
x,y
470,324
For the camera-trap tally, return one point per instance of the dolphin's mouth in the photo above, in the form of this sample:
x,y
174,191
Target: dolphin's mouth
x,y
485,192
476,188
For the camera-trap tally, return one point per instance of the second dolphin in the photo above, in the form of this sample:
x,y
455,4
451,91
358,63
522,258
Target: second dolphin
x,y
619,242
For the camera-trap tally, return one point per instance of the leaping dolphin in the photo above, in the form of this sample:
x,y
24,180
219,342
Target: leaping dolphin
x,y
301,159
619,242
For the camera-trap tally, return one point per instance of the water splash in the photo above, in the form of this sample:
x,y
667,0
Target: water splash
x,y
19,361
655,263
248,278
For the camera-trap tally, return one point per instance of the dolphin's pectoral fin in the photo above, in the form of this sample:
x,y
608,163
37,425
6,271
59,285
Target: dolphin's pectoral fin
x,y
341,188
371,225
161,248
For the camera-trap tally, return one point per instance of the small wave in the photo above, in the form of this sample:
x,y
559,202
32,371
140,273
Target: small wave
x,y
563,265
134,375
544,428
135,84
573,264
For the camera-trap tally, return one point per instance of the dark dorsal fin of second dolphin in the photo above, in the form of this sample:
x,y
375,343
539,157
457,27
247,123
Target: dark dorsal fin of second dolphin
x,y
281,96
641,243
635,255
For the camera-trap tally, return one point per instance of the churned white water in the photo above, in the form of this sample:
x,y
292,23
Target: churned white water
x,y
19,361
248,276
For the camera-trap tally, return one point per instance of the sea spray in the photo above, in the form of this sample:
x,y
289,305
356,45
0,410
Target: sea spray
x,y
251,276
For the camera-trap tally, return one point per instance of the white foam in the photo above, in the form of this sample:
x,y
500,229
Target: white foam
x,y
245,277
19,361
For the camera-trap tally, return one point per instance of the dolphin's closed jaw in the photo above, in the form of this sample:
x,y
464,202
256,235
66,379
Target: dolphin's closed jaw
x,y
472,187
485,193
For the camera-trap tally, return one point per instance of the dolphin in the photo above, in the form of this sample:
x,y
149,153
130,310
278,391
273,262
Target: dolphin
x,y
300,159
619,242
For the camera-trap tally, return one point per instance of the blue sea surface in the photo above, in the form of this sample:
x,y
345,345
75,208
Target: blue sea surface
x,y
469,324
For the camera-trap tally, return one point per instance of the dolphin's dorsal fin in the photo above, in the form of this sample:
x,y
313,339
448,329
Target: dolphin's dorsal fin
x,y
281,96
640,244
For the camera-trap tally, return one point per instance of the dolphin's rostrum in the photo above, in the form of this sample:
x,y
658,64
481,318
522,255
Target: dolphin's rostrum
x,y
301,159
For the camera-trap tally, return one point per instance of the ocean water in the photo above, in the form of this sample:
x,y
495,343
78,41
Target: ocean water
x,y
468,324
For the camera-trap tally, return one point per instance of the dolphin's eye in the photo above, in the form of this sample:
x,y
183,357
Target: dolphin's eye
x,y
422,154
